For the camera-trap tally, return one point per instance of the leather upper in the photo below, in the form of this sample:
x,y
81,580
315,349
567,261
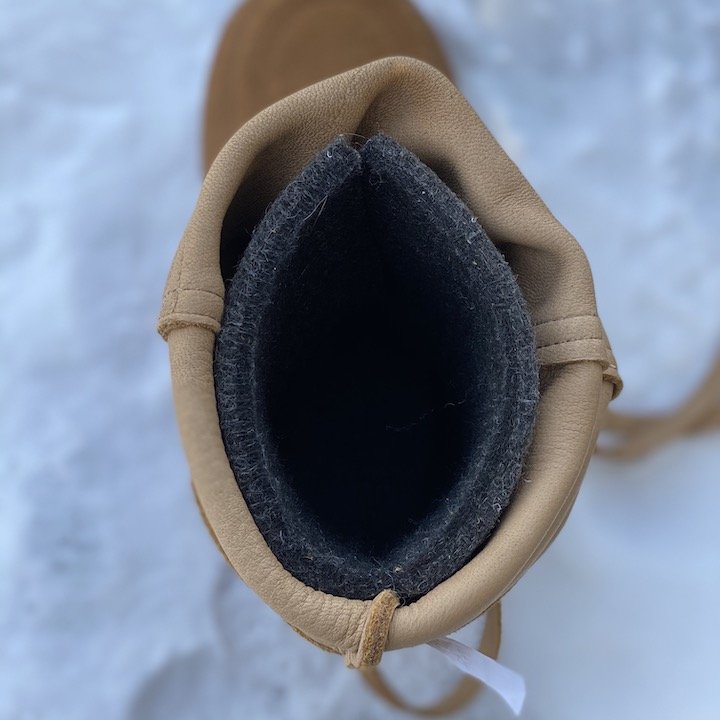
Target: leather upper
x,y
421,109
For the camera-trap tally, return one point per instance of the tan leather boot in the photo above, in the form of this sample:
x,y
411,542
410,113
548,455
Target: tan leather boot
x,y
385,350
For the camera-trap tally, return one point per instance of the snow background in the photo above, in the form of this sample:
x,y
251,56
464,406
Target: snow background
x,y
611,109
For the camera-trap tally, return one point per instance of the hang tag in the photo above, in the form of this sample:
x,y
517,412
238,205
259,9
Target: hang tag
x,y
508,684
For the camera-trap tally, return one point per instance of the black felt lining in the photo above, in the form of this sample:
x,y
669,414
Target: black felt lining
x,y
375,374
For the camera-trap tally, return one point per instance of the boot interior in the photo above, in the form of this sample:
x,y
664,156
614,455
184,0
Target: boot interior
x,y
375,375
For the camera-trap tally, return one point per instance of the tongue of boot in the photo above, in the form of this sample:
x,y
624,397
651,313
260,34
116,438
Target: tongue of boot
x,y
376,375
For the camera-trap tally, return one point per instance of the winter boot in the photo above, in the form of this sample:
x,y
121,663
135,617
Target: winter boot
x,y
387,361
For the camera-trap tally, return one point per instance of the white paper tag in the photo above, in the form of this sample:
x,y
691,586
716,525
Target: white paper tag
x,y
508,684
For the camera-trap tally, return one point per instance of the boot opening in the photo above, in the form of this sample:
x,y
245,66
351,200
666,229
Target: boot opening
x,y
375,374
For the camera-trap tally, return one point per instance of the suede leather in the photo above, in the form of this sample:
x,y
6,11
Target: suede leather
x,y
417,106
271,48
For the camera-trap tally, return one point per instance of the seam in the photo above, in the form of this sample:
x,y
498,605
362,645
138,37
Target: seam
x,y
567,317
566,342
177,291
191,314
181,262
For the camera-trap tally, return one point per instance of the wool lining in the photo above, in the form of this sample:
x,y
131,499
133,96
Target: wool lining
x,y
376,375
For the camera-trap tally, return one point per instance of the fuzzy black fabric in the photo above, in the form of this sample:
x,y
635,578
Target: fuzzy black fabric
x,y
376,375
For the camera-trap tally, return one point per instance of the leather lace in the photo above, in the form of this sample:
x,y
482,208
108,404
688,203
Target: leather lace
x,y
465,690
637,435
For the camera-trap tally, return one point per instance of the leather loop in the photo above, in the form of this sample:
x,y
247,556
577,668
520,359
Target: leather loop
x,y
185,307
466,689
577,338
375,631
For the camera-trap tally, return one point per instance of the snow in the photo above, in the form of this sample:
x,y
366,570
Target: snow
x,y
113,600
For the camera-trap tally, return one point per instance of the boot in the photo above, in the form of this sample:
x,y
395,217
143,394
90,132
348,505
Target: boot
x,y
388,367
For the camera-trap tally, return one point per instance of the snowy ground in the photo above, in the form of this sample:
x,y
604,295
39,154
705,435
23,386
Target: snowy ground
x,y
113,601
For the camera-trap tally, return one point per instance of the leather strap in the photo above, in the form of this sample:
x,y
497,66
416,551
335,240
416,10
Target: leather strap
x,y
464,692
